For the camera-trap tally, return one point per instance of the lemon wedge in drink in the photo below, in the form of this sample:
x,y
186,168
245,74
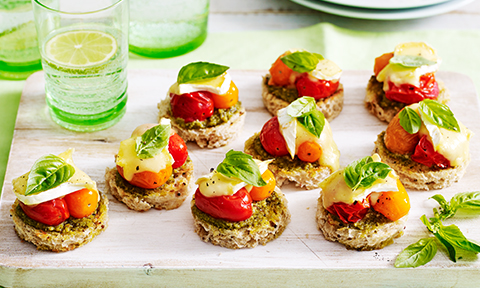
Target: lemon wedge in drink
x,y
83,48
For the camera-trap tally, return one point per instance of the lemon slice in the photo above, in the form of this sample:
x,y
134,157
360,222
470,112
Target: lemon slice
x,y
416,49
80,49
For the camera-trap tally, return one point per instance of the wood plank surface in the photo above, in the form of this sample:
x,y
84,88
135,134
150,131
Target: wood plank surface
x,y
161,245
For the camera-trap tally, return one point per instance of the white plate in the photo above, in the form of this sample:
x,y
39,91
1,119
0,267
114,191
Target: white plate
x,y
383,14
389,4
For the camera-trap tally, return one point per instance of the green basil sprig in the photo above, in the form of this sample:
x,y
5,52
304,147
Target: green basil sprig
x,y
439,114
449,236
364,172
305,110
48,172
152,141
411,61
410,120
240,165
302,61
200,71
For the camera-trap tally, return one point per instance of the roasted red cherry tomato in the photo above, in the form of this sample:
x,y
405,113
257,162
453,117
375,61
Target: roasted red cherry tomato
x,y
425,154
272,139
234,208
350,212
409,94
192,106
82,203
148,179
178,150
315,88
52,212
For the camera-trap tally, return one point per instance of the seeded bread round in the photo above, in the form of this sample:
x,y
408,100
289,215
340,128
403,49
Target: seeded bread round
x,y
374,231
66,236
210,137
417,176
285,169
268,221
384,109
330,106
168,196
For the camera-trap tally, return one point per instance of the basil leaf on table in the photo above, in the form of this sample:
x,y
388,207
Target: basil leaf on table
x,y
455,237
466,200
439,114
446,210
200,71
363,173
152,141
301,106
411,61
302,61
409,120
417,254
240,165
48,172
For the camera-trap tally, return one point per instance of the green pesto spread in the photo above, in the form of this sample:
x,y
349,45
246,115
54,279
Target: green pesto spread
x,y
371,221
377,88
219,116
283,162
286,94
71,225
265,212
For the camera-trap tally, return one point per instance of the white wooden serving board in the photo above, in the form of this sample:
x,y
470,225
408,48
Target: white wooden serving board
x,y
161,248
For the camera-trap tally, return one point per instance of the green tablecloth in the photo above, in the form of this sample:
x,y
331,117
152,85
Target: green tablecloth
x,y
258,50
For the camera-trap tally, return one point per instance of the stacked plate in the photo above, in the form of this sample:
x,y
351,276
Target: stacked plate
x,y
384,9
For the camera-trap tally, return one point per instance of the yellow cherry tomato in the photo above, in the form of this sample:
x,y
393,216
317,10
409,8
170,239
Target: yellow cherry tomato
x,y
263,192
82,203
226,100
309,151
393,205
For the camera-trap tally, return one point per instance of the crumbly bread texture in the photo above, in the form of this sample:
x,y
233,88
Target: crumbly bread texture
x,y
417,176
384,109
168,196
211,137
275,219
67,239
305,175
330,106
359,236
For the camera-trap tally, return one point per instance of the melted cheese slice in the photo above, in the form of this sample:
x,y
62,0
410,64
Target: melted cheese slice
x,y
131,164
295,135
78,181
218,85
216,184
325,69
399,75
334,188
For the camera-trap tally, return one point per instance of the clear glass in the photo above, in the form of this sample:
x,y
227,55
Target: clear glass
x,y
84,48
167,28
19,55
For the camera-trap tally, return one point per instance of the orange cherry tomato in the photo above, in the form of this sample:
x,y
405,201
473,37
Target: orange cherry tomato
x,y
309,151
381,62
226,100
147,179
280,74
263,192
397,140
82,203
393,205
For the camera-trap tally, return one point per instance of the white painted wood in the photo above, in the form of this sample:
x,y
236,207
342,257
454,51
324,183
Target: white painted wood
x,y
160,247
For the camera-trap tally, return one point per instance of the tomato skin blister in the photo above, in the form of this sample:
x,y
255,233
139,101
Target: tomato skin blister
x,y
192,106
234,208
409,94
52,212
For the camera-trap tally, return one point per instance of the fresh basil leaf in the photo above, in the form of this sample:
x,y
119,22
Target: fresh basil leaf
x,y
439,114
152,141
427,223
352,172
200,71
454,236
365,173
410,120
452,252
411,61
313,121
301,106
446,210
302,61
240,165
48,172
466,200
417,254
